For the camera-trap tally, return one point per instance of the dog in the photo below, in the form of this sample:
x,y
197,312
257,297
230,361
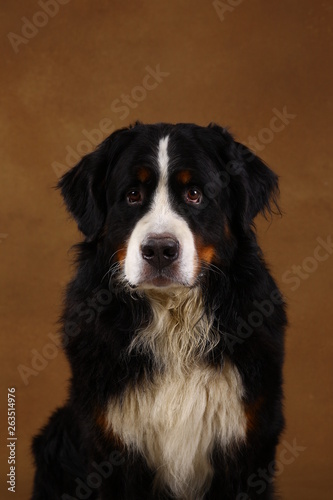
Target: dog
x,y
172,324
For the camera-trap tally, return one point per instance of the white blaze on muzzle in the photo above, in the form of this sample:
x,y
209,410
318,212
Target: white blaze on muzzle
x,y
161,220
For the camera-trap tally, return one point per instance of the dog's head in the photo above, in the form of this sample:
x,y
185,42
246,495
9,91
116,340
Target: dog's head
x,y
169,201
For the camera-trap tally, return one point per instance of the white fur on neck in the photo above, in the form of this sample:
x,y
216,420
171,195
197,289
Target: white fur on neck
x,y
180,333
175,420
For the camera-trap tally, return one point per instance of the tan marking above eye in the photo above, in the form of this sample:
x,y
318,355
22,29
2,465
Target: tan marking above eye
x,y
184,176
143,174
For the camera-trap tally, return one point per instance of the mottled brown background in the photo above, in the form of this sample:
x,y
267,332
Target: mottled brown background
x,y
263,55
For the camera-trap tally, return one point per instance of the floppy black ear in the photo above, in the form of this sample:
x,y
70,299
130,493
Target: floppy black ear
x,y
254,185
260,182
82,191
83,187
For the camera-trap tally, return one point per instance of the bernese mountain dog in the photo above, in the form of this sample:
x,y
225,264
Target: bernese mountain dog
x,y
172,324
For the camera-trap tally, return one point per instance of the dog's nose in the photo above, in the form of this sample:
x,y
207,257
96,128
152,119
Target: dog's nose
x,y
160,251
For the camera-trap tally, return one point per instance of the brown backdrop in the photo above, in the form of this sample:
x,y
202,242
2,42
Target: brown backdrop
x,y
239,64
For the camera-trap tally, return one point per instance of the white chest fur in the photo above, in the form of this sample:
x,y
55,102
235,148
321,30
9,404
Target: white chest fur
x,y
176,420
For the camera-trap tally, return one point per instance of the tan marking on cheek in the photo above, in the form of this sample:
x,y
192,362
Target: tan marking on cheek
x,y
120,255
184,176
143,174
206,253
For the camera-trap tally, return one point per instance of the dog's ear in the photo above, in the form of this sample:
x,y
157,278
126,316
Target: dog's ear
x,y
260,182
253,184
83,187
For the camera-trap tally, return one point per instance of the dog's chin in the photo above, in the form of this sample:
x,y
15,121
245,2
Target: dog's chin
x,y
162,282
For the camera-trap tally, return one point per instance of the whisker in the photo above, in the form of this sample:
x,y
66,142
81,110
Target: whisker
x,y
119,250
117,274
212,267
115,264
111,269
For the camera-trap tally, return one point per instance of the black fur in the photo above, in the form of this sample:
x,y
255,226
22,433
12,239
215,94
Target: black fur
x,y
100,318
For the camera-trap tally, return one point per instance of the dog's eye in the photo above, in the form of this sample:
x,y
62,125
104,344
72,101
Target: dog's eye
x,y
193,195
134,196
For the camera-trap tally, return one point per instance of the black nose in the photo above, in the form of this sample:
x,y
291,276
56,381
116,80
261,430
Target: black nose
x,y
160,251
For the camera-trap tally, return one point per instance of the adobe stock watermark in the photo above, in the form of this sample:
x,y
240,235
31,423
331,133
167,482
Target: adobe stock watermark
x,y
279,121
40,359
256,318
120,106
221,8
94,480
87,311
264,309
31,27
245,154
263,477
301,272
